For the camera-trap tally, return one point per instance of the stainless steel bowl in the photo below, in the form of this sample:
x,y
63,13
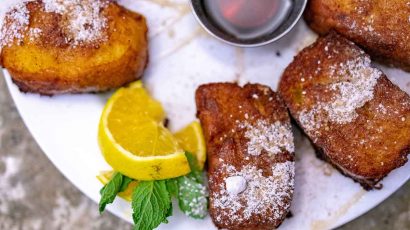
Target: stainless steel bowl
x,y
198,9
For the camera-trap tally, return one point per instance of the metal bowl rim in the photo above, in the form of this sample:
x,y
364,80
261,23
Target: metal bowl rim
x,y
275,38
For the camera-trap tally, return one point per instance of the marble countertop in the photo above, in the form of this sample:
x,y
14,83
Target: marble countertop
x,y
34,195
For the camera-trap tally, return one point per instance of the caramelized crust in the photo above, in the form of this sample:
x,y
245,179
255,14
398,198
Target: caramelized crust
x,y
49,62
240,130
381,27
356,118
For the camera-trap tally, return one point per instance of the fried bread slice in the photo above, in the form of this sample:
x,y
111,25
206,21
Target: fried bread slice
x,y
380,27
357,119
250,155
55,47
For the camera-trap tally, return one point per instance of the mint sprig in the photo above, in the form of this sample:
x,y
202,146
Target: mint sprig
x,y
151,204
118,183
151,200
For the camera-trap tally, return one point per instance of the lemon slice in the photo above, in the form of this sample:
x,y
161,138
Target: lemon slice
x,y
133,139
191,139
105,176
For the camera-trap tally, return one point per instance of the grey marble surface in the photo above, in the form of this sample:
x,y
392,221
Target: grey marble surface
x,y
34,195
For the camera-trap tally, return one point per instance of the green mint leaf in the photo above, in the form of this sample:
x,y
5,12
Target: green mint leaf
x,y
172,187
192,197
169,213
125,182
193,162
110,190
196,172
198,176
151,203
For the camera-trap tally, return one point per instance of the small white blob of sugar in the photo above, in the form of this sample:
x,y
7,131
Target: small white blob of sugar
x,y
235,185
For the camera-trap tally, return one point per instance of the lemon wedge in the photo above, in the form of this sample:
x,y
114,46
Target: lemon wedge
x,y
133,139
191,139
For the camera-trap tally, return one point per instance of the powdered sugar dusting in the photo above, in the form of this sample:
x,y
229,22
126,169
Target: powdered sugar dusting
x,y
350,94
82,20
15,14
264,196
273,138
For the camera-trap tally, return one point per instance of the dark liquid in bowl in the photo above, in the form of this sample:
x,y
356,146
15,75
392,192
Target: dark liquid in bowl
x,y
247,19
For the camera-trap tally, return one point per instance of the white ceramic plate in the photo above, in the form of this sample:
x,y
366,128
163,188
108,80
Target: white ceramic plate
x,y
183,56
